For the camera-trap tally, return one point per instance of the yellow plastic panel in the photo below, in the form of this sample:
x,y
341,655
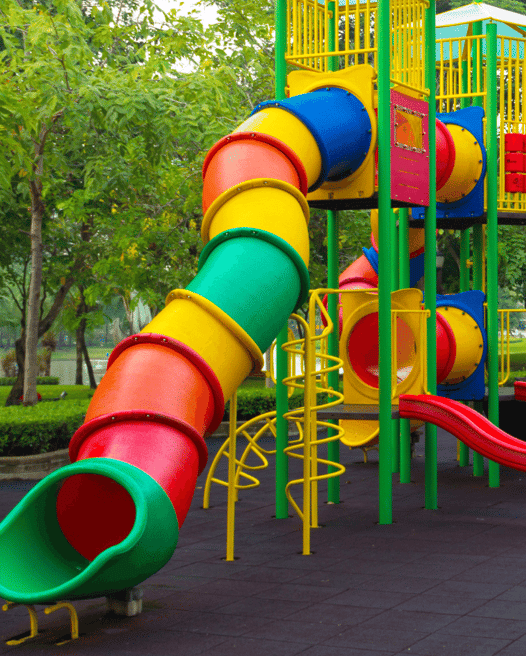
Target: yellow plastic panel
x,y
359,81
359,304
359,432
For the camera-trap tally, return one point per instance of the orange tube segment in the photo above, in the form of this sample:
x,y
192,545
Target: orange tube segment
x,y
142,378
284,126
246,155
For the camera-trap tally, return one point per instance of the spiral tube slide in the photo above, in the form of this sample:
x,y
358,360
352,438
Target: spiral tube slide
x,y
111,518
472,428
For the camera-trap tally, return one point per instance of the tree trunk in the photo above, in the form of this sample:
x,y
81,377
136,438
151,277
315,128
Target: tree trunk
x,y
18,388
91,375
78,370
33,301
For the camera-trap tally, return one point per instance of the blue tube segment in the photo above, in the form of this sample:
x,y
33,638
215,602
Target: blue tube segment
x,y
339,123
372,256
416,264
416,269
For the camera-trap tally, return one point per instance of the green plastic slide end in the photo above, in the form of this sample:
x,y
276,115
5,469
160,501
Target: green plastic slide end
x,y
257,278
39,565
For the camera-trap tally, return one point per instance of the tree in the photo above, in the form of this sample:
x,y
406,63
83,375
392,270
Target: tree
x,y
90,112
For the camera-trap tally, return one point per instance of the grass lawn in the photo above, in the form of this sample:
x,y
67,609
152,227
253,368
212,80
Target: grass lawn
x,y
74,392
81,392
95,353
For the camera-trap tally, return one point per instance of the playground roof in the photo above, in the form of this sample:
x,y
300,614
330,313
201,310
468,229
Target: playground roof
x,y
459,22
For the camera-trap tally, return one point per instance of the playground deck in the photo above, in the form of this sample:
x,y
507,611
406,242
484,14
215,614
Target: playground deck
x,y
451,581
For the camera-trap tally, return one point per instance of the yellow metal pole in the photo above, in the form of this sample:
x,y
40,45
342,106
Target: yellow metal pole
x,y
309,367
231,489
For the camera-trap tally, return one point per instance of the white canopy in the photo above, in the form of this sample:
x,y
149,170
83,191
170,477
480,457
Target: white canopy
x,y
479,11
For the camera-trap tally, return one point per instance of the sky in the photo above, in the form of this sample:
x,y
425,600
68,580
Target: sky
x,y
207,13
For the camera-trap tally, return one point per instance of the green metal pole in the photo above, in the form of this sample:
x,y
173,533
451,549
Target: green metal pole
x,y
404,279
463,450
431,478
333,448
492,238
282,401
385,262
395,284
478,235
464,287
478,275
478,73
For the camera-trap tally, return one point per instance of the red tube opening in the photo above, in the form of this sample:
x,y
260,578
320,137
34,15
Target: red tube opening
x,y
362,348
94,513
445,154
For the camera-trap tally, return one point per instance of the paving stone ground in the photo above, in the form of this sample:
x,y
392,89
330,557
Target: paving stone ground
x,y
449,581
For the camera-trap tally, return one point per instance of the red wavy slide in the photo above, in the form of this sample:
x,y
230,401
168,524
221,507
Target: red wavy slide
x,y
467,425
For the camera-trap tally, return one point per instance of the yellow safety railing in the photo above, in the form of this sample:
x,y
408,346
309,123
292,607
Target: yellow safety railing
x,y
293,363
457,71
461,80
310,24
504,344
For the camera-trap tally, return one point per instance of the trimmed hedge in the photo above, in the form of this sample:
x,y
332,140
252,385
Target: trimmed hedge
x,y
41,428
253,402
47,427
41,380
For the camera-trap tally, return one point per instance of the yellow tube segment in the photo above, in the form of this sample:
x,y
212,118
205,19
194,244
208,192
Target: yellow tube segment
x,y
469,343
286,127
264,204
467,168
219,340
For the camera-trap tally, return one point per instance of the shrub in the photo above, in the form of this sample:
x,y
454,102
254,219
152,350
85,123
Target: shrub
x,y
44,362
41,428
9,364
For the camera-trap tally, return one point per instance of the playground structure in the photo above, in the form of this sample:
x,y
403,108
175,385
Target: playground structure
x,y
111,518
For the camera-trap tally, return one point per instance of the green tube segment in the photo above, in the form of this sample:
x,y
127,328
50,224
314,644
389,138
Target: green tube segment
x,y
40,566
255,277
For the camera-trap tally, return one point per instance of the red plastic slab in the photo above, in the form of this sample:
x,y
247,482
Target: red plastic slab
x,y
467,425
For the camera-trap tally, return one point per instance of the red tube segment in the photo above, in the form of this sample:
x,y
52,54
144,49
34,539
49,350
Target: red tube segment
x,y
520,389
170,451
94,513
246,156
151,410
358,275
446,348
445,153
